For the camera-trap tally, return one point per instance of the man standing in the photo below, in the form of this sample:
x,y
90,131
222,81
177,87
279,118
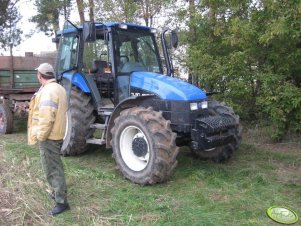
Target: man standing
x,y
46,125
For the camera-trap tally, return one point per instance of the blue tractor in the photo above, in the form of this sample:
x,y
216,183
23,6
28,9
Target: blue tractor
x,y
115,83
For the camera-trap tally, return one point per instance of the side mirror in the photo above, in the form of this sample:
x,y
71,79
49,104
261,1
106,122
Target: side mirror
x,y
174,39
89,32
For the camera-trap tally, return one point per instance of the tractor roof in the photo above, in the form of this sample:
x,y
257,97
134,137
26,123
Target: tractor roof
x,y
106,24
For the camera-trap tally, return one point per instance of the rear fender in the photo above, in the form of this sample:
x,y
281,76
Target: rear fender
x,y
130,102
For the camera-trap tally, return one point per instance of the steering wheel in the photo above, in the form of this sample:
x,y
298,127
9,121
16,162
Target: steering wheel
x,y
124,59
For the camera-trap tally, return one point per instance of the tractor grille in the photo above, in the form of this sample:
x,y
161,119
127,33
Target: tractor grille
x,y
215,124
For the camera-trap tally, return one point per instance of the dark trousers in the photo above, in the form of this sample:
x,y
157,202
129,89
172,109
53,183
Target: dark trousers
x,y
53,168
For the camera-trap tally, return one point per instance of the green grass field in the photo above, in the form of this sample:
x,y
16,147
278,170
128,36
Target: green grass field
x,y
199,193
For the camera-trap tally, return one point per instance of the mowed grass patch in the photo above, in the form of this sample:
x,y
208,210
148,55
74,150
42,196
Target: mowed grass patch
x,y
237,192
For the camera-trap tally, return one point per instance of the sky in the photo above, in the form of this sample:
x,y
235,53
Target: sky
x,y
38,42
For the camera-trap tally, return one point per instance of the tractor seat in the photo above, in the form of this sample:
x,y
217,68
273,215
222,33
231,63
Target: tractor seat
x,y
104,80
98,67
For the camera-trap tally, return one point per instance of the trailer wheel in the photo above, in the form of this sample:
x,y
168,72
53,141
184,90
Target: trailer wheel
x,y
80,116
6,119
222,153
144,146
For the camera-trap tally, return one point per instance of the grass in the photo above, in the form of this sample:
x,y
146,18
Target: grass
x,y
199,193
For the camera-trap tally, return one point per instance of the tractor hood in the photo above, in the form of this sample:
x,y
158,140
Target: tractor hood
x,y
167,88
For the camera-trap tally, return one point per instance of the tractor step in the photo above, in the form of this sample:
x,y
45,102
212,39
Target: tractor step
x,y
98,126
105,111
96,141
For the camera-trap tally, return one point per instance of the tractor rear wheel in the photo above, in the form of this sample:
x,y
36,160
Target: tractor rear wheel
x,y
144,146
80,116
6,119
224,152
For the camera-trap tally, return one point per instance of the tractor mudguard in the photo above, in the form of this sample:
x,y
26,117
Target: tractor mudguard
x,y
129,102
85,83
77,80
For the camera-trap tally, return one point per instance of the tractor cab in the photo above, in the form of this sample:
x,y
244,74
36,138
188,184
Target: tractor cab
x,y
109,53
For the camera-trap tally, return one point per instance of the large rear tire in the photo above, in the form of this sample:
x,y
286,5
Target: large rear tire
x,y
144,146
80,116
224,152
6,119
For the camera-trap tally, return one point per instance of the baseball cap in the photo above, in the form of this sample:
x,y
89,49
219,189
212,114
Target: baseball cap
x,y
46,69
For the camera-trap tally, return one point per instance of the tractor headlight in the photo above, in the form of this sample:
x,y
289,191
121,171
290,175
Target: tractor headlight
x,y
193,106
204,104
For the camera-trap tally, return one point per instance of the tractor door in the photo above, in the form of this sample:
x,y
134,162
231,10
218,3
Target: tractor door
x,y
97,63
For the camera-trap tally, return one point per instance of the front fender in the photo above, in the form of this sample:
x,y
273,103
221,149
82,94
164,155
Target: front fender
x,y
86,84
77,80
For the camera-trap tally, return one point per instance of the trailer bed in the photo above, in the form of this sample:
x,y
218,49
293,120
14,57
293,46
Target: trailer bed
x,y
23,82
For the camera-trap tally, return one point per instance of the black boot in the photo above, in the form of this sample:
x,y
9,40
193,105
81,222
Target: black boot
x,y
59,208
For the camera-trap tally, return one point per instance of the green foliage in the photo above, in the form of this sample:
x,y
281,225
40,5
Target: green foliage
x,y
282,103
3,12
250,53
131,11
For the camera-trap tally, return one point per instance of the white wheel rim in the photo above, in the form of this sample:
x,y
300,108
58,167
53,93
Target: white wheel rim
x,y
127,136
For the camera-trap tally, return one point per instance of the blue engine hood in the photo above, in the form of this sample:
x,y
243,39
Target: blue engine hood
x,y
167,88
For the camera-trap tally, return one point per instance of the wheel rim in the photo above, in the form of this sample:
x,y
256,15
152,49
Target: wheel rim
x,y
131,159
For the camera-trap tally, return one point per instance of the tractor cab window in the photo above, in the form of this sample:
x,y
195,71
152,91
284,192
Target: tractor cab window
x,y
136,51
94,53
67,56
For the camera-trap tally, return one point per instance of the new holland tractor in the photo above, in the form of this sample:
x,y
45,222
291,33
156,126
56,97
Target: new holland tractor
x,y
116,84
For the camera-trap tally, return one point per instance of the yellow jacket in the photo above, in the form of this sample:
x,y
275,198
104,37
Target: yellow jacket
x,y
47,113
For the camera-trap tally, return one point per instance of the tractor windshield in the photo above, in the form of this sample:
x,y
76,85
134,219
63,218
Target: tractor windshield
x,y
136,51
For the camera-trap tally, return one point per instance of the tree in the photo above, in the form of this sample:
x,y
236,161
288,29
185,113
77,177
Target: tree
x,y
10,35
91,10
81,10
247,51
130,10
116,10
3,12
148,9
48,14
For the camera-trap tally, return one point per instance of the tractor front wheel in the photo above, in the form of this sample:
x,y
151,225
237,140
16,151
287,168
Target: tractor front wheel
x,y
144,146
